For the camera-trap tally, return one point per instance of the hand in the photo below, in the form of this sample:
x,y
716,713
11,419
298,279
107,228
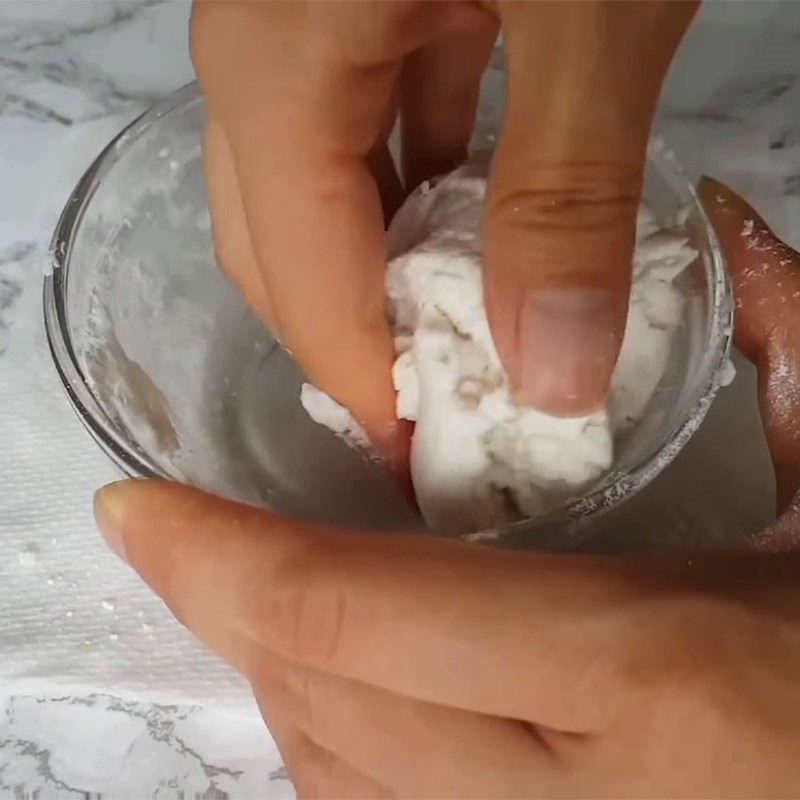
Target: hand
x,y
301,99
413,667
766,279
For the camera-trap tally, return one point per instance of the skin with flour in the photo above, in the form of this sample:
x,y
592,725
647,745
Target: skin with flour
x,y
478,458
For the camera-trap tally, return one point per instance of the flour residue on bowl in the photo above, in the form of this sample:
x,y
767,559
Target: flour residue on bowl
x,y
132,298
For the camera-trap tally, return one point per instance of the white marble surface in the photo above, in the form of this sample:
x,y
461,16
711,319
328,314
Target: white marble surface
x,y
71,74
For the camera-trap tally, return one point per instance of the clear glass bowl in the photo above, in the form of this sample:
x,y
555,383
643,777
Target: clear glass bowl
x,y
174,376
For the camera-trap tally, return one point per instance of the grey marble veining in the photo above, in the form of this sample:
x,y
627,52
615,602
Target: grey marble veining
x,y
57,747
731,107
44,70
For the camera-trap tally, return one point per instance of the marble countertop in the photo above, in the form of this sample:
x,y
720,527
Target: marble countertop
x,y
72,73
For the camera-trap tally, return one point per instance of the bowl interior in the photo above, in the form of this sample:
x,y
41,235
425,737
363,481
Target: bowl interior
x,y
176,377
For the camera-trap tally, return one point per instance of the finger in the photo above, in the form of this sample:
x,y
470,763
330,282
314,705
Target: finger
x,y
380,734
327,287
440,85
477,629
563,196
232,243
766,279
301,116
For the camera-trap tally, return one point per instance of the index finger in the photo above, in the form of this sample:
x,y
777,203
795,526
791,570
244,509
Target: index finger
x,y
300,118
547,639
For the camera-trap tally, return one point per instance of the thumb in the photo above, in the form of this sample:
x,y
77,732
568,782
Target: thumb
x,y
766,281
561,213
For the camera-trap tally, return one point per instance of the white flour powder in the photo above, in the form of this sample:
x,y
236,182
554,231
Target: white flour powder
x,y
479,459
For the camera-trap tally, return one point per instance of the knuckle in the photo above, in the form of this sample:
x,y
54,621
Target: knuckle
x,y
326,779
299,692
305,613
577,196
305,783
569,227
294,696
313,770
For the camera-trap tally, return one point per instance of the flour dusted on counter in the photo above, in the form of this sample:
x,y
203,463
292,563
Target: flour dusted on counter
x,y
478,459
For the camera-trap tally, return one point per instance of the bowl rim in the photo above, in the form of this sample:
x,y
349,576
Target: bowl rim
x,y
614,488
132,461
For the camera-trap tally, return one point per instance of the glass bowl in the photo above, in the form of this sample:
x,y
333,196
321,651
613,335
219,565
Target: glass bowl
x,y
175,377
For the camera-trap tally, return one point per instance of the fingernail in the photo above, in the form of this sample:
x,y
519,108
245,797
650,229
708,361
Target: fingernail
x,y
109,513
568,341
